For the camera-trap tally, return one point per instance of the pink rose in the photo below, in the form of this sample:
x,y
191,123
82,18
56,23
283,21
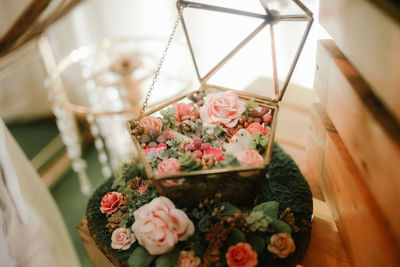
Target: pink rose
x,y
168,166
151,122
173,182
256,127
241,255
122,238
111,202
182,110
159,226
223,108
217,153
249,158
187,259
160,147
282,245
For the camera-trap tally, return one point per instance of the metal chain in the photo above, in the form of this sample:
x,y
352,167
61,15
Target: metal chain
x,y
157,72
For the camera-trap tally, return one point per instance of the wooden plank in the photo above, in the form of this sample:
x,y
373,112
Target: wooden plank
x,y
373,145
96,256
357,215
371,40
325,248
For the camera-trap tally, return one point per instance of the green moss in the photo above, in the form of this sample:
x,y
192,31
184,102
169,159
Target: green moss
x,y
283,183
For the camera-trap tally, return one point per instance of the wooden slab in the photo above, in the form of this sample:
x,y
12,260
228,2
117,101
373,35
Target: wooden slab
x,y
96,256
370,38
369,133
361,222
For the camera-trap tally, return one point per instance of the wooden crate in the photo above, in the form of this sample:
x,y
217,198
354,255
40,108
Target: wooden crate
x,y
368,131
370,38
361,223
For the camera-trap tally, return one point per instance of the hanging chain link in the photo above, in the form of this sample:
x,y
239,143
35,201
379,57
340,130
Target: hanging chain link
x,y
157,72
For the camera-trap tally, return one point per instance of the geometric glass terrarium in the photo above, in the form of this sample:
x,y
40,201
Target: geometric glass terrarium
x,y
216,140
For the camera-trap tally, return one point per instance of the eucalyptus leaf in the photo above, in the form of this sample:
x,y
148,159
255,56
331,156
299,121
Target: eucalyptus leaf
x,y
236,236
169,259
269,208
278,226
140,258
257,243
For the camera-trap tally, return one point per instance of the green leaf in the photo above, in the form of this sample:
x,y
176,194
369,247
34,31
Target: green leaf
x,y
278,226
140,258
169,259
228,210
269,208
257,243
235,236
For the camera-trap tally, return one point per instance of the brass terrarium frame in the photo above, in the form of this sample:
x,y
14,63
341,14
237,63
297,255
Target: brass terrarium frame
x,y
271,17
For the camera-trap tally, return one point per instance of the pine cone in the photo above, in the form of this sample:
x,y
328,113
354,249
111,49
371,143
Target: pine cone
x,y
135,182
135,128
211,258
115,219
217,234
208,161
288,217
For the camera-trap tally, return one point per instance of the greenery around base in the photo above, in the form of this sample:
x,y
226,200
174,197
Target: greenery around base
x,y
284,187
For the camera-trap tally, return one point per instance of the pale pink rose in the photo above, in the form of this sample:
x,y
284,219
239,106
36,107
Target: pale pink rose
x,y
256,127
182,110
249,158
221,108
168,166
111,202
282,245
159,226
150,123
122,238
187,259
241,255
173,182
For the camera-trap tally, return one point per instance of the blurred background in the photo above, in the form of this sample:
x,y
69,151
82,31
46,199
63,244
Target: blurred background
x,y
66,94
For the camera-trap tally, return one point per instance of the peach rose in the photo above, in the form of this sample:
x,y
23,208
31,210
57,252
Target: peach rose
x,y
223,108
249,158
151,122
168,166
111,202
241,255
159,226
256,127
122,238
182,110
282,245
187,259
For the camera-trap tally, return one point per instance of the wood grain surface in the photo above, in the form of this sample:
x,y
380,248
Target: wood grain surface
x,y
363,127
370,38
360,221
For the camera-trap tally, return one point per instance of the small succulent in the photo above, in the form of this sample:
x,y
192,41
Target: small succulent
x,y
153,138
258,221
168,118
197,147
189,162
259,142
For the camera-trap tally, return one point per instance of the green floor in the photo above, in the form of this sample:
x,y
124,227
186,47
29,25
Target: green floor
x,y
32,137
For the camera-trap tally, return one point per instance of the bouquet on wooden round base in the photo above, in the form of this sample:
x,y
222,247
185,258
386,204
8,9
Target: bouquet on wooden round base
x,y
135,226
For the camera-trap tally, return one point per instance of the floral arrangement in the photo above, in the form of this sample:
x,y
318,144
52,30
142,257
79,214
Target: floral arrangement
x,y
215,233
203,132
